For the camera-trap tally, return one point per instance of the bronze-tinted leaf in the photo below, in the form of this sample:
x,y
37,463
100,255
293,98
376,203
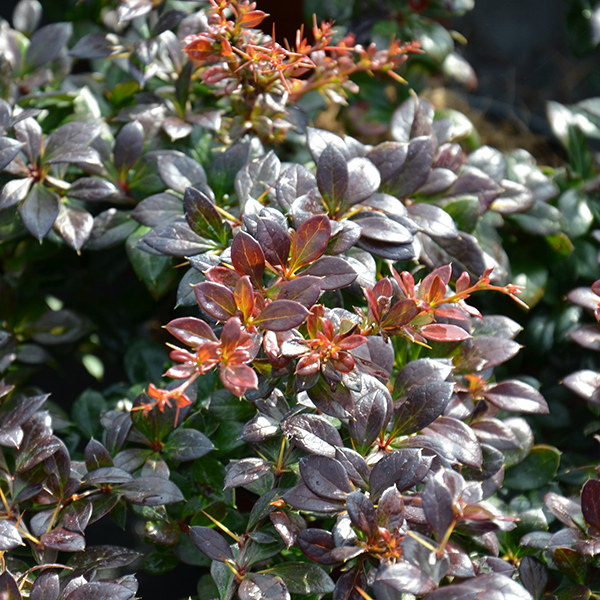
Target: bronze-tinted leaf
x,y
211,543
215,300
317,545
590,502
516,396
310,241
399,467
325,477
248,257
281,315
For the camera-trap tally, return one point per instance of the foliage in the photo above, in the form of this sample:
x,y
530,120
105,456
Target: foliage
x,y
337,417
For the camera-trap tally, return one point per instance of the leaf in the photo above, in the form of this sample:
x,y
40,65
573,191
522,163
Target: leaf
x,y
404,577
335,272
103,557
538,469
534,576
304,578
39,210
248,257
63,540
9,149
274,240
317,545
516,396
336,403
362,514
101,590
584,383
263,587
281,315
373,408
9,536
318,140
457,438
36,451
440,332
46,586
180,172
211,543
301,498
382,229
415,168
400,468
245,471
590,502
305,290
332,177
423,405
129,145
294,182
313,434
187,444
309,241
202,216
420,372
493,585
46,43
86,413
111,228
215,300
325,477
9,590
363,181
151,491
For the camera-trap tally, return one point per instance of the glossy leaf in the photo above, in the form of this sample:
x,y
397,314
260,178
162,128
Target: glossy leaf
x,y
211,543
281,315
309,241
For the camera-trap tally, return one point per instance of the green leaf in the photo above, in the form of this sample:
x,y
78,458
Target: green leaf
x,y
304,578
156,272
537,470
86,413
160,563
145,362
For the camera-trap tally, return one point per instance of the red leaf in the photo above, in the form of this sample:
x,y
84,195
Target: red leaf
x,y
252,18
402,313
215,300
281,315
244,296
590,502
438,332
238,379
310,241
222,275
191,331
247,257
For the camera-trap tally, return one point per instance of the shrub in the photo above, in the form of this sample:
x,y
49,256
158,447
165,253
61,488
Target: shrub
x,y
337,414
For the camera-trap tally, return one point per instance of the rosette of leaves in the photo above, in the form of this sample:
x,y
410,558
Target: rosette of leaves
x,y
39,172
48,501
32,59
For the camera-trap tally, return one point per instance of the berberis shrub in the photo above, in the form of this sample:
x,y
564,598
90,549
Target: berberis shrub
x,y
337,416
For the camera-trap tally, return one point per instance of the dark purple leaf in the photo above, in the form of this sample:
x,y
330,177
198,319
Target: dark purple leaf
x,y
158,209
318,140
46,586
101,590
74,225
433,220
534,576
129,145
180,172
39,210
103,557
104,475
458,438
301,498
387,250
362,514
111,228
411,119
9,590
305,290
77,516
400,468
245,471
515,198
587,336
363,181
257,178
356,466
313,434
373,409
96,45
25,409
516,396
73,134
332,177
29,132
281,315
325,477
388,157
415,168
274,240
14,191
438,505
482,586
336,403
294,182
419,372
211,543
590,502
404,577
38,449
151,491
390,509
382,229
92,189
335,272
438,181
46,43
63,540
473,182
495,433
345,586
423,405
317,545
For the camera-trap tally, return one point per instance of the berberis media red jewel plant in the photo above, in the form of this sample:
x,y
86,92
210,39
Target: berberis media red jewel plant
x,y
331,423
